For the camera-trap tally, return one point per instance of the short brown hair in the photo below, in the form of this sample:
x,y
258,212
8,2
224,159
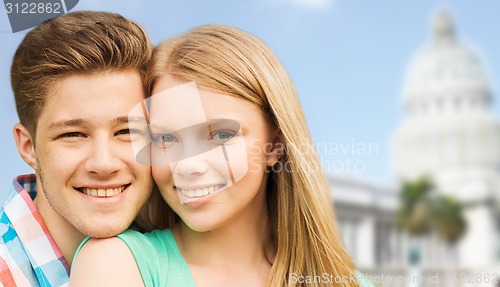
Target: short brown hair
x,y
75,43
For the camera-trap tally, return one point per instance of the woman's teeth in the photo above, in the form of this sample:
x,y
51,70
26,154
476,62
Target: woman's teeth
x,y
200,192
103,192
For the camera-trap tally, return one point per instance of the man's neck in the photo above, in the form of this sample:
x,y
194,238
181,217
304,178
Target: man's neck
x,y
65,235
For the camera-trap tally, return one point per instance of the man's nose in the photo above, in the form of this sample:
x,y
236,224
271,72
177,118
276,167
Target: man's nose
x,y
102,159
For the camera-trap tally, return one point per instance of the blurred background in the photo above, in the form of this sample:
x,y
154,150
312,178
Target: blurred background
x,y
401,100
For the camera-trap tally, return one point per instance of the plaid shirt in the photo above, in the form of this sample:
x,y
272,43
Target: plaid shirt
x,y
28,254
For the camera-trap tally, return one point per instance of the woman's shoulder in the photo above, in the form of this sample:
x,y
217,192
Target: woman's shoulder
x,y
147,249
157,255
95,256
93,247
363,281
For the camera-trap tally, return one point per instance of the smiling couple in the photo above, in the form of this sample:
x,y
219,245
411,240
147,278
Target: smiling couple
x,y
205,115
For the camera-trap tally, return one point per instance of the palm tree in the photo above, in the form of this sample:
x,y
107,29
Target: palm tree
x,y
423,211
414,214
450,223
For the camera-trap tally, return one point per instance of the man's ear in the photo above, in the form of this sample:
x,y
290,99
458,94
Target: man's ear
x,y
277,150
25,145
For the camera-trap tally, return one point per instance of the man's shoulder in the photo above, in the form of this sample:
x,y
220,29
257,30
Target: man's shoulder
x,y
5,224
7,231
27,253
18,204
14,261
11,247
28,263
23,186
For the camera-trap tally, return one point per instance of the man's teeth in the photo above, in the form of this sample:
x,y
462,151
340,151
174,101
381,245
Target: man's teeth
x,y
101,192
200,192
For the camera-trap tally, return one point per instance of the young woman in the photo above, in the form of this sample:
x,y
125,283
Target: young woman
x,y
248,204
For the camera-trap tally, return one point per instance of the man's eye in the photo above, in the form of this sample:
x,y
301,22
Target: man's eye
x,y
131,132
221,137
124,132
71,135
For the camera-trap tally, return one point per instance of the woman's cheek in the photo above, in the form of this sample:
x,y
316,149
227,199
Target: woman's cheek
x,y
162,175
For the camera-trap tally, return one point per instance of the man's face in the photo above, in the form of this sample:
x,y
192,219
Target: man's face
x,y
83,151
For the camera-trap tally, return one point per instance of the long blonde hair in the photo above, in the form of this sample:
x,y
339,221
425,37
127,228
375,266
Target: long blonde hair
x,y
301,219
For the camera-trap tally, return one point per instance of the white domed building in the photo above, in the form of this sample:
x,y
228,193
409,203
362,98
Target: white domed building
x,y
450,134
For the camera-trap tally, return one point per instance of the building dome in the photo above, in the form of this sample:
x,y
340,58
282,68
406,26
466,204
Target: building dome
x,y
448,124
445,76
450,135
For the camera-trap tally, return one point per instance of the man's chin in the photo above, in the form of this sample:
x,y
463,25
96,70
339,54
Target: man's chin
x,y
105,232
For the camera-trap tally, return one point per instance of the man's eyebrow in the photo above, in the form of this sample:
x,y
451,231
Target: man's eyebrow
x,y
67,123
82,122
131,119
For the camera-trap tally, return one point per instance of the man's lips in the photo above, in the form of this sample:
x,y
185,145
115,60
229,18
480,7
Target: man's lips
x,y
103,192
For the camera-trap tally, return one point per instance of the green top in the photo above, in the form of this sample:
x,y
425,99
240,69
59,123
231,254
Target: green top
x,y
158,257
161,263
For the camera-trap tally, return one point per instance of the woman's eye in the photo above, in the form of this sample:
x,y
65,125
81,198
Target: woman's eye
x,y
220,137
165,138
168,138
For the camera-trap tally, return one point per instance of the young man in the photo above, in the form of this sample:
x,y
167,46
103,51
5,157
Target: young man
x,y
75,79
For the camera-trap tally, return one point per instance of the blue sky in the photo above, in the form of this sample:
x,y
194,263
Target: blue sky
x,y
347,58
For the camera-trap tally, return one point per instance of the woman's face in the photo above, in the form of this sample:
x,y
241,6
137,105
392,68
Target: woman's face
x,y
209,153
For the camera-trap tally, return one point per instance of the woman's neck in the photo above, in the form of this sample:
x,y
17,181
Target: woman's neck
x,y
228,245
237,252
